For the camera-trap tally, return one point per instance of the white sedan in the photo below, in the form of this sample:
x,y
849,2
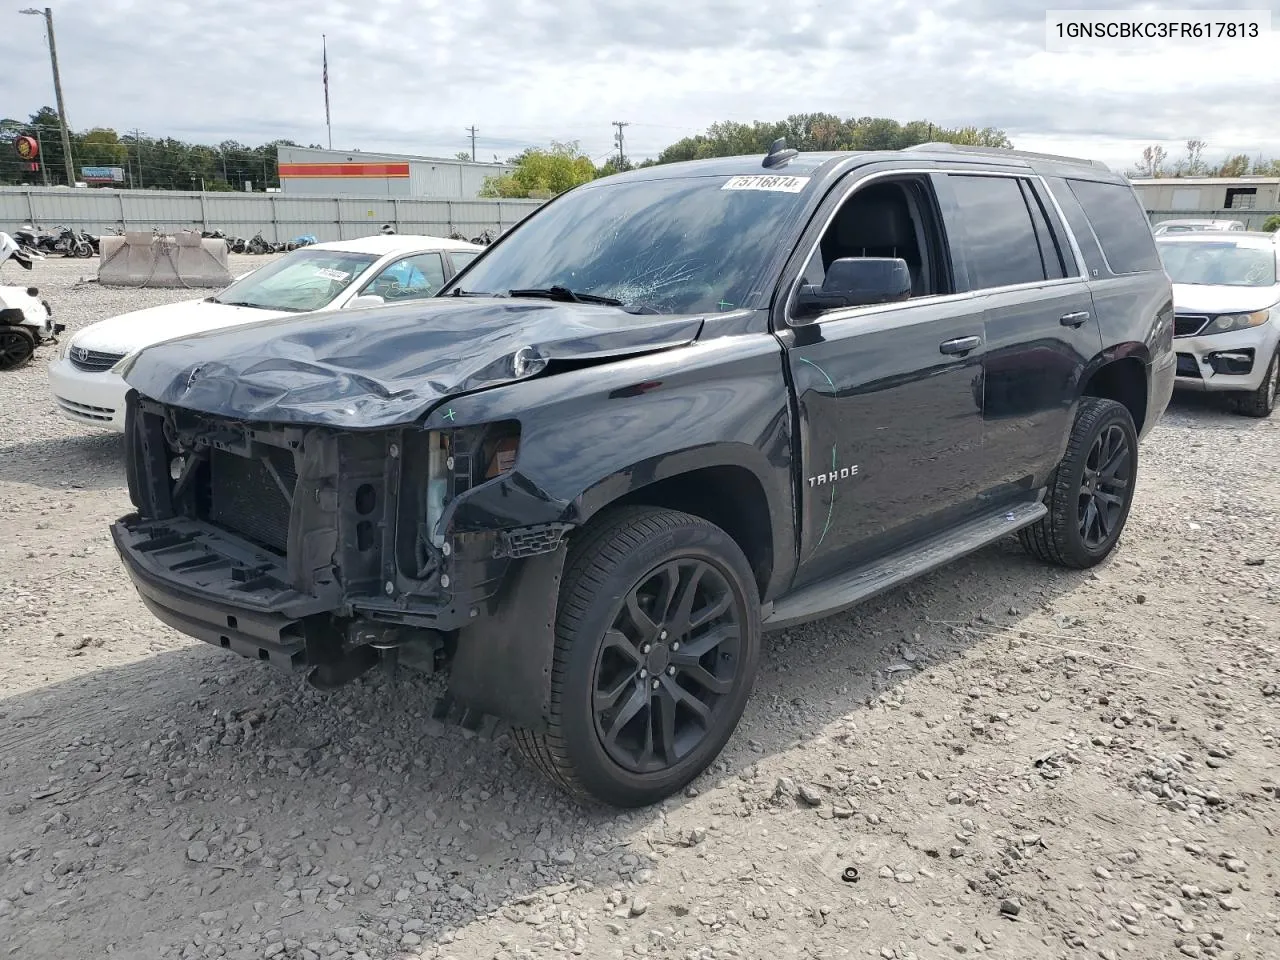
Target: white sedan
x,y
345,274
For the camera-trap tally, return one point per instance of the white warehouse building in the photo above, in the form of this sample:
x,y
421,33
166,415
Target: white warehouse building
x,y
304,170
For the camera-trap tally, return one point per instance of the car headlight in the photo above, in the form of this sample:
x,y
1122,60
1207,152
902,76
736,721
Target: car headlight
x,y
1230,322
64,348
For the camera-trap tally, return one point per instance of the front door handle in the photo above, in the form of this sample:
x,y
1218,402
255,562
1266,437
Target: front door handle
x,y
960,345
1074,319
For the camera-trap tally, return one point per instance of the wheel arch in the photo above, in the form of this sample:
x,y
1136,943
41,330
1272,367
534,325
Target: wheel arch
x,y
1123,375
723,485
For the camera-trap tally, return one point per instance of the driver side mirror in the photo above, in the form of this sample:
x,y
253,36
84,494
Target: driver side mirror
x,y
855,282
365,300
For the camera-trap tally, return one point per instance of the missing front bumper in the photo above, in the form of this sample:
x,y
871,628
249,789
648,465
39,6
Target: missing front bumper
x,y
217,588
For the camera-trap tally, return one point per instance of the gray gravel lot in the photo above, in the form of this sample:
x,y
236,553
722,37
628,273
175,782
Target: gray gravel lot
x,y
1019,762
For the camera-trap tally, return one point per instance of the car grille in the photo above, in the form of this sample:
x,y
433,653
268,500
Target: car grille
x,y
245,497
1188,325
93,360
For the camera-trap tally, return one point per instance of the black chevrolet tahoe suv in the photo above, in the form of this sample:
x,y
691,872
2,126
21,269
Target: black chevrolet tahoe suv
x,y
670,411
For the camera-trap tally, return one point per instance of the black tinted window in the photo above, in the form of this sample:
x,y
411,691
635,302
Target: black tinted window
x,y
1120,224
1000,240
1050,255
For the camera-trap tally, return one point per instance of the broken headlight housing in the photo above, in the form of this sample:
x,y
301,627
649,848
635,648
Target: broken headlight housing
x,y
458,460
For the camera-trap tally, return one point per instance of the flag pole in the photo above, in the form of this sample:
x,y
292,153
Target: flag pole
x,y
325,45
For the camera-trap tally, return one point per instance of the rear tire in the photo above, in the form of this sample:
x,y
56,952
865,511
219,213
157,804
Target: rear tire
x,y
1261,402
640,705
1091,490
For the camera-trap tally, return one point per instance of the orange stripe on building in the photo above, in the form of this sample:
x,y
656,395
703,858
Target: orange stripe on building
x,y
344,170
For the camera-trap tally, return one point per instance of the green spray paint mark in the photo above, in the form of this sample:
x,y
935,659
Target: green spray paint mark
x,y
831,504
724,304
819,369
449,414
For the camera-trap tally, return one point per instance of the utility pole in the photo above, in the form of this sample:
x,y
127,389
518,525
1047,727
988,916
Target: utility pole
x,y
472,131
617,138
47,13
137,143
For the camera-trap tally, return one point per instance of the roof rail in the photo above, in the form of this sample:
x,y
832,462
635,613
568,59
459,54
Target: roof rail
x,y
1003,151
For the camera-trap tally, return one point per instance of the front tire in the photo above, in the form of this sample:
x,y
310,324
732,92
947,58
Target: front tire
x,y
1091,489
1261,402
17,345
657,646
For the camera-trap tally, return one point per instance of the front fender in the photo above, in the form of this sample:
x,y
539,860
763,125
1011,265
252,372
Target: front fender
x,y
592,435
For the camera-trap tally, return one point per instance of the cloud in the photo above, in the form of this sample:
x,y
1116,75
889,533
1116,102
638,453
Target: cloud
x,y
411,76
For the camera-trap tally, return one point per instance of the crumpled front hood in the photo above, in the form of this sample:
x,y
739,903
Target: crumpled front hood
x,y
389,365
1212,298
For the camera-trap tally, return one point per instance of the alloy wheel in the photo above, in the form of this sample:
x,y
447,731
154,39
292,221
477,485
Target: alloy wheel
x,y
1105,486
667,665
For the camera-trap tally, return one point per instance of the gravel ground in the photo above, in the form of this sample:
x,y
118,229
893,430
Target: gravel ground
x,y
1017,761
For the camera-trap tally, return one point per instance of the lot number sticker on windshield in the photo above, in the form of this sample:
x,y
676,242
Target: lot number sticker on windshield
x,y
764,182
330,274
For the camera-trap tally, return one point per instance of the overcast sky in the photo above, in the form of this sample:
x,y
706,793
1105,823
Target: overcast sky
x,y
409,75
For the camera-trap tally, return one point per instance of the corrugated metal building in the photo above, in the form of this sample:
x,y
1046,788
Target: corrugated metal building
x,y
356,173
1209,194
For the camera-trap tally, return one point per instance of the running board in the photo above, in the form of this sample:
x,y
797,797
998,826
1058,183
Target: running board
x,y
852,587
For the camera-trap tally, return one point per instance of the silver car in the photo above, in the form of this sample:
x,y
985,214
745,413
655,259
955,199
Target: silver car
x,y
1226,300
1195,226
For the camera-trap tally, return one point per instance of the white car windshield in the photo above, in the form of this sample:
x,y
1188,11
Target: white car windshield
x,y
305,279
1219,263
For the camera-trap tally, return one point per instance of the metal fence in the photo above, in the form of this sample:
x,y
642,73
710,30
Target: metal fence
x,y
1252,219
277,216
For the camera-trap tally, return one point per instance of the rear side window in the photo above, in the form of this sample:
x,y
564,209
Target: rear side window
x,y
1120,225
1001,245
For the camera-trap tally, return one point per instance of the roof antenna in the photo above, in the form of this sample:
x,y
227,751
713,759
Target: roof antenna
x,y
779,154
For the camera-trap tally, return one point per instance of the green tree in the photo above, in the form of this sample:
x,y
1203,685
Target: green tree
x,y
1272,223
542,172
1237,166
822,132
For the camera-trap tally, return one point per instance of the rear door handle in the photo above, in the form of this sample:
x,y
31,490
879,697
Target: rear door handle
x,y
1074,319
960,345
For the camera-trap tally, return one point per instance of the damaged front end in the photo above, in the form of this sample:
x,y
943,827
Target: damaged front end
x,y
327,550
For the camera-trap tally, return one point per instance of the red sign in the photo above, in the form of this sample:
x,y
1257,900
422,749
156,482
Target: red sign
x,y
27,147
395,170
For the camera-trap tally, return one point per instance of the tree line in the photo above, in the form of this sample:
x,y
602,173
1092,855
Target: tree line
x,y
542,172
153,163
1155,163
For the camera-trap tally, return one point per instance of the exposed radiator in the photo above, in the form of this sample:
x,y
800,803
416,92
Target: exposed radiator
x,y
245,497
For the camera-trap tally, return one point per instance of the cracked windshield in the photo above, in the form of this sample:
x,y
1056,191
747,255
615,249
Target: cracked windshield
x,y
686,245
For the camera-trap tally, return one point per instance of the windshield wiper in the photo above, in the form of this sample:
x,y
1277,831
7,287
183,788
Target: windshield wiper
x,y
565,295
459,292
241,303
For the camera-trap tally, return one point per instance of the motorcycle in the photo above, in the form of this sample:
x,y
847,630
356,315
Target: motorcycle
x,y
69,243
25,319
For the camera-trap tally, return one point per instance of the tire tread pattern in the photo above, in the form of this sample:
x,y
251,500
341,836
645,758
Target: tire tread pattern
x,y
1046,539
591,560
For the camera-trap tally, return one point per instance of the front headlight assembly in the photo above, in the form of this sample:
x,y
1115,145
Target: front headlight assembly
x,y
1232,322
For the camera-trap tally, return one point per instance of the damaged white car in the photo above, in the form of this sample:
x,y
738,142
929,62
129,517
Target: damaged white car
x,y
1226,298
